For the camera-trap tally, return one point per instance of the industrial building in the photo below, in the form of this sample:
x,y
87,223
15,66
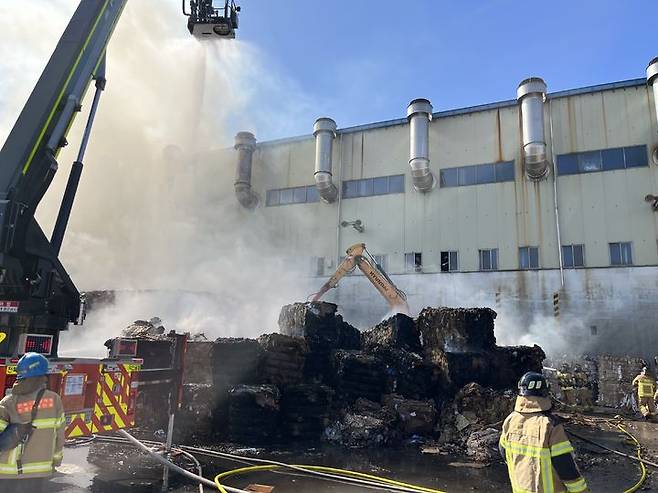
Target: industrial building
x,y
542,207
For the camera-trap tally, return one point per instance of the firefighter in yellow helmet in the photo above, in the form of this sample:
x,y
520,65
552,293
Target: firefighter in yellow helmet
x,y
534,445
646,388
31,429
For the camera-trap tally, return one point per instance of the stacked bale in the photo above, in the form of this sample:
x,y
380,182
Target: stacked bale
x,y
399,331
305,410
253,417
283,359
324,331
616,376
358,374
457,330
235,361
414,417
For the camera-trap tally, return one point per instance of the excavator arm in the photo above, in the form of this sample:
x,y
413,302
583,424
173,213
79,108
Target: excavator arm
x,y
358,256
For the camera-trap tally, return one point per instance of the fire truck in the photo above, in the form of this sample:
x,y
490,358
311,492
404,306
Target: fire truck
x,y
38,299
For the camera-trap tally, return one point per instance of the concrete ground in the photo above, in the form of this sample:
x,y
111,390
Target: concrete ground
x,y
604,471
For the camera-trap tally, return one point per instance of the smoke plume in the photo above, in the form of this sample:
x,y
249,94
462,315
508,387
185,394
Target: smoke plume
x,y
155,216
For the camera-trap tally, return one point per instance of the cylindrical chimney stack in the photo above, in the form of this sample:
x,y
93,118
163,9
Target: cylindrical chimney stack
x,y
531,95
245,144
324,131
419,115
652,80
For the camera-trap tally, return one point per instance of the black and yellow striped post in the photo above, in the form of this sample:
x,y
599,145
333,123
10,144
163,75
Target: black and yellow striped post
x,y
556,304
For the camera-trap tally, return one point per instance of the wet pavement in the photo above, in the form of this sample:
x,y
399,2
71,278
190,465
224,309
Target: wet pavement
x,y
603,471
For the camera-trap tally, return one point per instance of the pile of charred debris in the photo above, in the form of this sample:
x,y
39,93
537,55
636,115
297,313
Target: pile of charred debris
x,y
439,381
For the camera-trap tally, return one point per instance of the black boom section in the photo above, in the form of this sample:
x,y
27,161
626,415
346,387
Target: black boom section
x,y
30,272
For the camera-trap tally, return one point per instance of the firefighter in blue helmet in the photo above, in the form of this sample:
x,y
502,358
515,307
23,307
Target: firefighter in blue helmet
x,y
32,429
535,446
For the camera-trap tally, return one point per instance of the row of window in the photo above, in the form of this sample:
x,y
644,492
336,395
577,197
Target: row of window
x,y
295,195
368,187
602,160
567,164
478,174
573,256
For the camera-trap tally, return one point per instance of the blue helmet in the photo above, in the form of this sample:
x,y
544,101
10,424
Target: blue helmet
x,y
31,365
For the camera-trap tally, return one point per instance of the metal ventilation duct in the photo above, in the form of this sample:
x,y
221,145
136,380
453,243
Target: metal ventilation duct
x,y
531,95
324,132
419,114
245,144
652,80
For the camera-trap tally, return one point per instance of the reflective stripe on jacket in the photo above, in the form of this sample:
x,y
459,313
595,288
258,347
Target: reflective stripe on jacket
x,y
43,451
532,441
646,387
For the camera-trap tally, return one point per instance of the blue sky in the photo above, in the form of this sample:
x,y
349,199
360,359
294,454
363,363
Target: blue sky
x,y
363,61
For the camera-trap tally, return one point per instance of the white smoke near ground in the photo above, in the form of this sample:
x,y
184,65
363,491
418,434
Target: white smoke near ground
x,y
155,216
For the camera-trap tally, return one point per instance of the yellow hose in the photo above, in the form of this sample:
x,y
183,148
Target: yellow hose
x,y
643,477
343,472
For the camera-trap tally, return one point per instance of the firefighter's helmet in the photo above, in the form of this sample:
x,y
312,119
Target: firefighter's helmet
x,y
533,384
31,365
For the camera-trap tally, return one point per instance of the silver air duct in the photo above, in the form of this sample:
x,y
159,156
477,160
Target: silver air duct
x,y
531,95
652,80
245,144
324,132
419,115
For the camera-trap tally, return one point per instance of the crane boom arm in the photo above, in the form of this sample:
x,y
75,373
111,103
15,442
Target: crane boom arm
x,y
43,297
358,256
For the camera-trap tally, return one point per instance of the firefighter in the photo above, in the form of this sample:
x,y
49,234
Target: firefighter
x,y
534,445
646,388
566,381
32,425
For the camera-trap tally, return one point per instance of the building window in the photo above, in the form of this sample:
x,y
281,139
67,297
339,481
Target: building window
x,y
573,256
479,174
603,160
449,261
621,253
367,187
295,195
489,259
529,258
381,261
413,262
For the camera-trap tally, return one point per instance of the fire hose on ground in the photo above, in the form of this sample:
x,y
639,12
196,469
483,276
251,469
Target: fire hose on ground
x,y
352,477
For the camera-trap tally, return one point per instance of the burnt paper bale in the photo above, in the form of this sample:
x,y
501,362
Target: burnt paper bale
x,y
254,412
482,445
398,332
235,361
357,374
282,362
482,405
320,325
510,363
414,417
457,329
324,331
616,374
458,369
202,416
197,358
305,410
358,431
409,375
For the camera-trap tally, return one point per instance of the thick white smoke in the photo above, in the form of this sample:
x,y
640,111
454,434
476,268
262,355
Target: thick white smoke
x,y
149,214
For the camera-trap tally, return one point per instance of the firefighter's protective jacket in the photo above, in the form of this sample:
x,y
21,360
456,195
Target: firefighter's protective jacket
x,y
645,386
43,451
537,451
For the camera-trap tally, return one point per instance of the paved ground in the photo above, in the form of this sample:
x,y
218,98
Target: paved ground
x,y
604,471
